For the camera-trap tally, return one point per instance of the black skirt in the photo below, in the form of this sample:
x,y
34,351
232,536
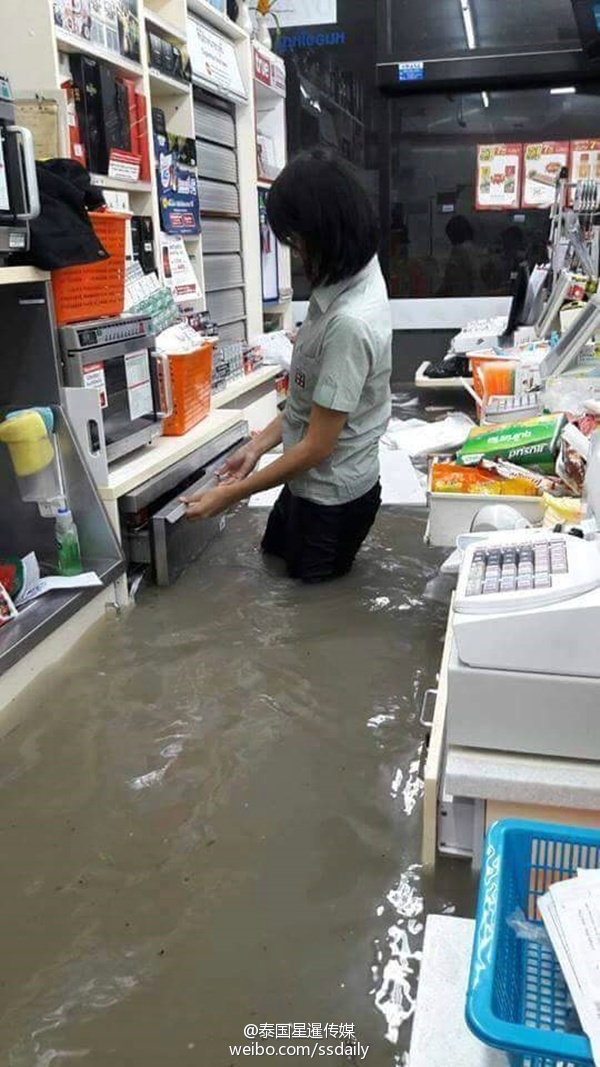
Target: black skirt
x,y
319,542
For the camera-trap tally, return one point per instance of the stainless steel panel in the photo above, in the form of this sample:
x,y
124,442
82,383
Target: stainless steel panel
x,y
176,541
85,413
24,530
215,161
223,272
214,124
221,235
167,482
30,374
218,198
227,306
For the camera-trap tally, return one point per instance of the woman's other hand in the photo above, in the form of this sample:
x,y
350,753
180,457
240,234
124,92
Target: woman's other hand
x,y
240,464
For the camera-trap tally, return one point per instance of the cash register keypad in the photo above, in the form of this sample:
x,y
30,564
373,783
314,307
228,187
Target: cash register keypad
x,y
509,568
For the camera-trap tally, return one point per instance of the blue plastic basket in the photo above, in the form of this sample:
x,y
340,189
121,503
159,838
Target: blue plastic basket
x,y
517,999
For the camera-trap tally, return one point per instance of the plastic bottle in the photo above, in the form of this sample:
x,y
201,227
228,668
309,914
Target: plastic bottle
x,y
67,544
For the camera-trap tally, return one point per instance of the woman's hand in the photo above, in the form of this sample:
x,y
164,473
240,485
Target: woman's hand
x,y
240,464
210,503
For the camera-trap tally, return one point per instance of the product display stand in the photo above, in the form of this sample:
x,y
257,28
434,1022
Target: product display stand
x,y
37,66
271,154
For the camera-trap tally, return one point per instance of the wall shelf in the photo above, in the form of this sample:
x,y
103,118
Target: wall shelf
x,y
207,13
67,42
164,85
164,27
103,181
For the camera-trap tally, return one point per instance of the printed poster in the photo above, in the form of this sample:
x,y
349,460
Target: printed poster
x,y
498,177
268,252
585,161
177,184
542,164
177,270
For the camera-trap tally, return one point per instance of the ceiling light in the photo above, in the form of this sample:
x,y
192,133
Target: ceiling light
x,y
485,99
562,90
467,17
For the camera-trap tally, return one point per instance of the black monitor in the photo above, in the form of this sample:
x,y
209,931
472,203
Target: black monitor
x,y
519,300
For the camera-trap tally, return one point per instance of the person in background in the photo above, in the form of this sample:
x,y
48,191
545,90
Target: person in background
x,y
340,397
462,274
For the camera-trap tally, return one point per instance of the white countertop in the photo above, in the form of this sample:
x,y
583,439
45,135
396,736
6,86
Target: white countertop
x,y
522,779
136,469
440,1036
21,275
245,384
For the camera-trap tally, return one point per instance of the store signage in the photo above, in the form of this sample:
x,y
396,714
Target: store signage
x,y
289,42
270,71
214,62
542,164
307,12
585,161
498,185
411,72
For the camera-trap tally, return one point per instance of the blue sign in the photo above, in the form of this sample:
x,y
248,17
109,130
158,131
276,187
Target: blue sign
x,y
411,72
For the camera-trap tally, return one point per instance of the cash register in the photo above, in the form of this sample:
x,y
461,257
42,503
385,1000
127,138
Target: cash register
x,y
524,671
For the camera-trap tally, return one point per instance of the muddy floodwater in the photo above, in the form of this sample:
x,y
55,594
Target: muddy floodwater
x,y
210,817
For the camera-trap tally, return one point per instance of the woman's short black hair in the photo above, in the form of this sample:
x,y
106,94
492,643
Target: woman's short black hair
x,y
318,205
459,230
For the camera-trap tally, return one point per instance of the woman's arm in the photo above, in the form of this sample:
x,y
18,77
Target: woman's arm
x,y
324,429
244,459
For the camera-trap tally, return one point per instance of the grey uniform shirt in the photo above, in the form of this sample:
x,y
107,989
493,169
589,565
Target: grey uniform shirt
x,y
342,361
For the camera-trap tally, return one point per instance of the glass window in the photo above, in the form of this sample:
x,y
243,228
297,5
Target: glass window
x,y
440,243
425,28
332,99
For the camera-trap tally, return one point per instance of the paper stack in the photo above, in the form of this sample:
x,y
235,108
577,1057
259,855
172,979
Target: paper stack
x,y
571,914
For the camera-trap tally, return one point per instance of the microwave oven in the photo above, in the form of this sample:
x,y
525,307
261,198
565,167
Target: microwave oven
x,y
118,358
19,194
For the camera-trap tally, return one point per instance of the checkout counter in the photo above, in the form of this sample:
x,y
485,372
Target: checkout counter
x,y
514,731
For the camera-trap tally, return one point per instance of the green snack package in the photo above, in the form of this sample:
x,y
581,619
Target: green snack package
x,y
532,443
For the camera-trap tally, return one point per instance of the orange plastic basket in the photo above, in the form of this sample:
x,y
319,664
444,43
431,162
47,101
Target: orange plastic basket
x,y
94,289
191,384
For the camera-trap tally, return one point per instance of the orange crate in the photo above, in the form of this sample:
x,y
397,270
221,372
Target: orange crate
x,y
94,289
191,384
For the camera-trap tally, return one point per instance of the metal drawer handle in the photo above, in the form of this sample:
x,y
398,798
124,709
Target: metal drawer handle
x,y
427,696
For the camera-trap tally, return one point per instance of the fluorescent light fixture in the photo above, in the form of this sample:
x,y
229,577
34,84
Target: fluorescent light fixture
x,y
563,90
485,99
467,17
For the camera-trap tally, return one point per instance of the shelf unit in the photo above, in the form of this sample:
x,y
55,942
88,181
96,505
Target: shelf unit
x,y
36,64
269,100
241,183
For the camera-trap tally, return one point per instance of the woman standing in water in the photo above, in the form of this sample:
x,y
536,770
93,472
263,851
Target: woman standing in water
x,y
340,399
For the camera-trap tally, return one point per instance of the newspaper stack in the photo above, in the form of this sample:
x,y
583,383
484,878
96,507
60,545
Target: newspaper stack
x,y
571,914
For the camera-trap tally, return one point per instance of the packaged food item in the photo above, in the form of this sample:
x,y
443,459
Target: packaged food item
x,y
452,478
493,377
532,443
8,610
561,510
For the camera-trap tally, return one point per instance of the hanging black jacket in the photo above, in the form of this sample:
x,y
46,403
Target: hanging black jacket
x,y
62,235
